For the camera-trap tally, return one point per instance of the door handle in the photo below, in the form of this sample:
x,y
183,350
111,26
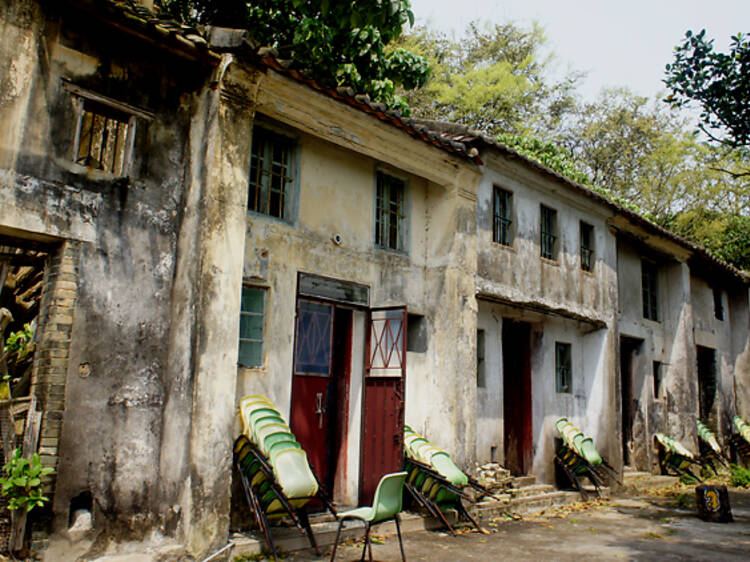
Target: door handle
x,y
319,409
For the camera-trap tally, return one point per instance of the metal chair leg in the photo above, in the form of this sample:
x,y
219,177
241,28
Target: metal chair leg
x,y
400,542
367,540
336,542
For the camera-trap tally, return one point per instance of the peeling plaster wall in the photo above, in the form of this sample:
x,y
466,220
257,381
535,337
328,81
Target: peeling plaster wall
x,y
432,277
158,262
518,276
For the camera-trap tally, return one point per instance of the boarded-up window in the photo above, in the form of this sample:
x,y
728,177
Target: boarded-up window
x,y
563,367
390,213
103,141
252,320
271,174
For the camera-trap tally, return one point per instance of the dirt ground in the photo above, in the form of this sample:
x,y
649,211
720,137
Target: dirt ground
x,y
660,525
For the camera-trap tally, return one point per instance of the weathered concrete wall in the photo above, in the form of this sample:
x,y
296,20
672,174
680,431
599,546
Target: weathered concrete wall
x,y
739,319
150,386
561,301
336,194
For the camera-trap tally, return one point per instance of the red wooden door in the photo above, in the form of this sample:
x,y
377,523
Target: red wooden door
x,y
517,396
383,412
312,384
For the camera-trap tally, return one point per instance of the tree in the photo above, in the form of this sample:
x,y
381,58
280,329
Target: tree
x,y
494,78
718,82
342,43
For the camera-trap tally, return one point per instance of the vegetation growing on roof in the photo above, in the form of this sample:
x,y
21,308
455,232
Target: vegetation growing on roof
x,y
344,44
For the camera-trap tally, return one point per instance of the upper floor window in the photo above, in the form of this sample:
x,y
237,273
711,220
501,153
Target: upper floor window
x,y
252,320
390,212
502,222
548,229
649,284
105,131
587,246
563,367
271,174
718,304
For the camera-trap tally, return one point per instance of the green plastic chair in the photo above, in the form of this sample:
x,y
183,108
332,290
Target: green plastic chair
x,y
443,463
386,505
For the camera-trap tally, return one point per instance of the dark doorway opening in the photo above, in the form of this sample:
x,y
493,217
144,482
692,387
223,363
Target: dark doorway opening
x,y
320,386
707,385
517,396
629,348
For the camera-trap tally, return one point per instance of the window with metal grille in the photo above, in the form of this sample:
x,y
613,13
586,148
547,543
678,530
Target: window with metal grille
x,y
390,212
271,174
563,367
587,246
718,304
481,382
657,375
502,222
548,229
252,320
649,284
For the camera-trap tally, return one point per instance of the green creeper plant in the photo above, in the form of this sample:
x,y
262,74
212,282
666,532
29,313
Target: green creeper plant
x,y
19,342
22,482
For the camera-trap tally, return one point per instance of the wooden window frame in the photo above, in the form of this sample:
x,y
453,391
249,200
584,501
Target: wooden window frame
x,y
264,168
262,340
389,210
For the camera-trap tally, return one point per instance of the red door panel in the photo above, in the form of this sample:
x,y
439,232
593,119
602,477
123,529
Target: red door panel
x,y
383,411
311,382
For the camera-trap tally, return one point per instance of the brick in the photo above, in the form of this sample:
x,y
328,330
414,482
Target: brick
x,y
49,442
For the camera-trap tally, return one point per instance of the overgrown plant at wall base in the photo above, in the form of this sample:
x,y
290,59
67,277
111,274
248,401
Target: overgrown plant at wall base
x,y
739,476
22,482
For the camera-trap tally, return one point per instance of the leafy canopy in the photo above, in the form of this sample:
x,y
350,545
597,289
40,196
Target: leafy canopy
x,y
493,78
718,82
344,43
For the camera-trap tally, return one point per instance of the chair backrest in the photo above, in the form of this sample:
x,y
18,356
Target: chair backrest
x,y
293,473
273,450
388,495
266,430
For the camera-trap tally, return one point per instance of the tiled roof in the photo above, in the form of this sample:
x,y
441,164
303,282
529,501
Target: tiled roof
x,y
206,43
477,139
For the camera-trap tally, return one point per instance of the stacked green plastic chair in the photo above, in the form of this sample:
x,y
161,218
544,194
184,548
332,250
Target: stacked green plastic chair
x,y
741,440
711,451
276,475
434,481
676,457
577,457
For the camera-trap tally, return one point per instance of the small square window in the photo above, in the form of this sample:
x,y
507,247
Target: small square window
x,y
587,246
481,381
252,326
718,304
563,368
271,174
502,222
390,213
548,230
649,285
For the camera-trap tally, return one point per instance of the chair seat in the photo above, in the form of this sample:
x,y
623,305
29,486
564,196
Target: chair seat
x,y
363,513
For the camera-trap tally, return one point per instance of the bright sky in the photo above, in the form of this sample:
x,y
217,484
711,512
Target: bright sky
x,y
617,43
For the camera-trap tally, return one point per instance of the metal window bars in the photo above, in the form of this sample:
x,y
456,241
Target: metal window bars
x,y
271,174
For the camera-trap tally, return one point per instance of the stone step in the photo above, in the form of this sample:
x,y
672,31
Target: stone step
x,y
521,481
533,490
636,481
290,539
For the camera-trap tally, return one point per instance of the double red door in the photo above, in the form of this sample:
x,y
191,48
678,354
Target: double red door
x,y
321,386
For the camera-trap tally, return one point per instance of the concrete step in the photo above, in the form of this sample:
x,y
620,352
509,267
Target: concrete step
x,y
290,539
533,490
638,480
521,481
